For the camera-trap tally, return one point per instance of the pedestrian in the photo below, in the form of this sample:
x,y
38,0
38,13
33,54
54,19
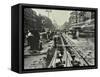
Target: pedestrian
x,y
30,40
75,61
59,55
40,46
55,40
36,39
77,34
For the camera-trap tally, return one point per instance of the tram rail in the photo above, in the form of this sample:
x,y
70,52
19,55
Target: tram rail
x,y
69,49
76,51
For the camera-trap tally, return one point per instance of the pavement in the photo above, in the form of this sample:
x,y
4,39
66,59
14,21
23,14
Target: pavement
x,y
36,61
45,46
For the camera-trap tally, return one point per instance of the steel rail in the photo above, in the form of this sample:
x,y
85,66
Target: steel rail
x,y
75,50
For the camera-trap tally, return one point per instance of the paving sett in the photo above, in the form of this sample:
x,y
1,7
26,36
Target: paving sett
x,y
34,62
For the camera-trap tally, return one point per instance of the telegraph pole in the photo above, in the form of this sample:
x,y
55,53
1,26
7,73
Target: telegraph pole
x,y
48,11
76,16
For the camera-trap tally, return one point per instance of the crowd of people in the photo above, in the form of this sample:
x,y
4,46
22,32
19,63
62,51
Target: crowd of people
x,y
35,39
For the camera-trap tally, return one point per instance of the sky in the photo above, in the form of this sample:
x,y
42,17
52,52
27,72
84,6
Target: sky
x,y
59,16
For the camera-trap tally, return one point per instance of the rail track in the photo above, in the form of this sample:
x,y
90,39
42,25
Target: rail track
x,y
74,49
68,49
